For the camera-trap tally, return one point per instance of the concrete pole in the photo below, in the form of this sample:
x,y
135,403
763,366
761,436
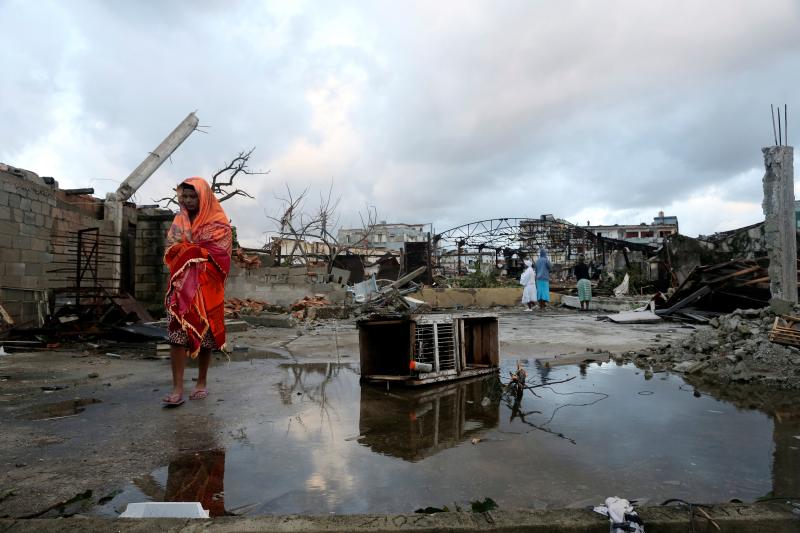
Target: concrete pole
x,y
115,200
779,225
155,158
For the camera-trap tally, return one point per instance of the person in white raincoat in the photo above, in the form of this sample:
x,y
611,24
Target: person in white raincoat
x,y
528,280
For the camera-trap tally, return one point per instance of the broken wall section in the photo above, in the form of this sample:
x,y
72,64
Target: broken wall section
x,y
35,218
151,274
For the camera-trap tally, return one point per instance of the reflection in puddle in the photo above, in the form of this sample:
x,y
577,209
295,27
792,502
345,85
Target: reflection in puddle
x,y
324,444
416,423
198,477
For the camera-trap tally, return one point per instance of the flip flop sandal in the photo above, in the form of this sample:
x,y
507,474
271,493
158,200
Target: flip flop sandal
x,y
199,394
169,402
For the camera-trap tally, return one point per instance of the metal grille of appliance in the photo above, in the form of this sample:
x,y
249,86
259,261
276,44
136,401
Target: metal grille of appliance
x,y
435,344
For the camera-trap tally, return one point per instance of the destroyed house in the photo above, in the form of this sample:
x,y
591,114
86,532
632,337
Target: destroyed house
x,y
63,244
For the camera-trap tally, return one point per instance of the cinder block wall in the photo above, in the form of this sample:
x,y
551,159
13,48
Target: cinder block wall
x,y
35,218
151,272
26,222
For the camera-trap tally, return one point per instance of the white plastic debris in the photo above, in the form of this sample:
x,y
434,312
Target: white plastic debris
x,y
621,515
2,351
622,288
165,510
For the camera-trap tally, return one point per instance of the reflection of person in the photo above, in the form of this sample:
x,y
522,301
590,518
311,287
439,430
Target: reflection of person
x,y
199,258
198,477
584,285
543,278
528,280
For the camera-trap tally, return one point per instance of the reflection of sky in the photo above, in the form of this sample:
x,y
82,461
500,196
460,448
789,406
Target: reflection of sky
x,y
305,457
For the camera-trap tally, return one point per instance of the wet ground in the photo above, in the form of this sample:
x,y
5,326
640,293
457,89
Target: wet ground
x,y
352,449
289,429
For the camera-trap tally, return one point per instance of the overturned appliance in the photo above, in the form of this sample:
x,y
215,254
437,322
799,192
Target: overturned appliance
x,y
427,348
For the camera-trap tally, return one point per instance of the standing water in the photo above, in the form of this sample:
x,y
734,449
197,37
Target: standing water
x,y
604,430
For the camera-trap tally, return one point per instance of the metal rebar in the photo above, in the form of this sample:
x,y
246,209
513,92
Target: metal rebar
x,y
780,141
774,133
786,124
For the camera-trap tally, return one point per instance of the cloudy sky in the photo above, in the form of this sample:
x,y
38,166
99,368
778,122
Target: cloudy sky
x,y
439,112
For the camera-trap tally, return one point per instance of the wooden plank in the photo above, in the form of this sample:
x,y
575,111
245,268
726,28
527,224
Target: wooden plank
x,y
754,281
696,295
732,275
462,343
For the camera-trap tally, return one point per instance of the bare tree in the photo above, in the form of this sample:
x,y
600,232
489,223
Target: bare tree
x,y
222,181
317,227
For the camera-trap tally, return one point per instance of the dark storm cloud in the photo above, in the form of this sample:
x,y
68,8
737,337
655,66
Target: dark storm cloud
x,y
432,112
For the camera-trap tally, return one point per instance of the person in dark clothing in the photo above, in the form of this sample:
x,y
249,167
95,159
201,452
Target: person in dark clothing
x,y
584,285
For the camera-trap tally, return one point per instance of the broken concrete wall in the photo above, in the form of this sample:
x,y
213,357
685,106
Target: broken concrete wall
x,y
282,285
36,219
475,298
151,243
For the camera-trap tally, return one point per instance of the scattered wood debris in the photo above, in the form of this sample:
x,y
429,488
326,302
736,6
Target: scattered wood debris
x,y
786,330
712,290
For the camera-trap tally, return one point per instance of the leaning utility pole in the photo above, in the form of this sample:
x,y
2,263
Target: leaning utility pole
x,y
115,200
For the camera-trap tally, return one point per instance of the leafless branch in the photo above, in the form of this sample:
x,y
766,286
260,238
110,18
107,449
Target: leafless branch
x,y
223,178
317,227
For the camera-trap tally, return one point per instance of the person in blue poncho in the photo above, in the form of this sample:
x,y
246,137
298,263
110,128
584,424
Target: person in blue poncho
x,y
543,278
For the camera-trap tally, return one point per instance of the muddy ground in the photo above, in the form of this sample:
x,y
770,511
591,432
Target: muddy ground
x,y
77,420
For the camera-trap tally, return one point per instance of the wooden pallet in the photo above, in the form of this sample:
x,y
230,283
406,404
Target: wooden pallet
x,y
786,330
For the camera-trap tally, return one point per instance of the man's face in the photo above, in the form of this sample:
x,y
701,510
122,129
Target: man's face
x,y
187,198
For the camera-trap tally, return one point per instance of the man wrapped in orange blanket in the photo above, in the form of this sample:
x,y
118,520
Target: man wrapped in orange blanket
x,y
199,258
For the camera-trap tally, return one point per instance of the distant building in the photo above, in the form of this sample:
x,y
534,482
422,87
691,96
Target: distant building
x,y
661,227
383,235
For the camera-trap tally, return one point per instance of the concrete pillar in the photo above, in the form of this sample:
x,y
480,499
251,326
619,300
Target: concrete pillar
x,y
779,224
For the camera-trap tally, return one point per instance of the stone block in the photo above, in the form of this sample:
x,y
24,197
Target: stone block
x,y
29,218
10,280
25,203
3,198
33,269
327,313
236,326
9,255
14,200
40,245
5,212
31,256
15,269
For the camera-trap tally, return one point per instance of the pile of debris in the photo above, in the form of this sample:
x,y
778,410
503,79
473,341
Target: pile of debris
x,y
709,291
735,349
391,296
246,261
236,307
300,307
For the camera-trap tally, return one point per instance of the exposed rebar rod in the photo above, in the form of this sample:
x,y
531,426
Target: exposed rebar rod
x,y
780,141
774,132
786,124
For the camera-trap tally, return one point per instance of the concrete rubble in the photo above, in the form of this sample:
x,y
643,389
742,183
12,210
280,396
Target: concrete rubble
x,y
735,349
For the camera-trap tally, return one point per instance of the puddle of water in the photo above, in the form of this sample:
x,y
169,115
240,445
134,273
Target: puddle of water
x,y
338,447
63,409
